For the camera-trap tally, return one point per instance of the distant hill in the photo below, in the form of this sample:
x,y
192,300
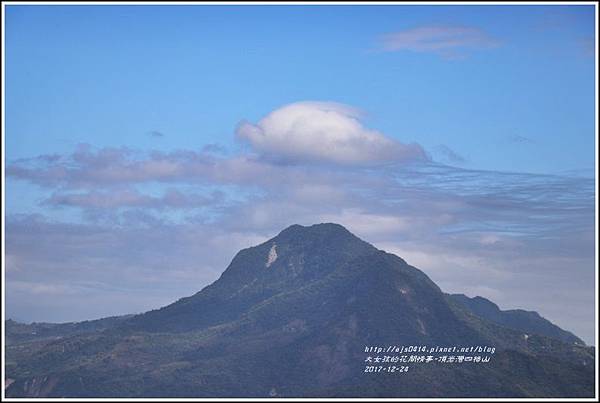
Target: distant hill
x,y
295,317
529,322
19,332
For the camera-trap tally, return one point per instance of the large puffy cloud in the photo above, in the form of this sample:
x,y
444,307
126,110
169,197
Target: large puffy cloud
x,y
323,131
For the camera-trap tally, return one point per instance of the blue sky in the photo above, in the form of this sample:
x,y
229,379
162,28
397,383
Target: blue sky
x,y
486,113
108,75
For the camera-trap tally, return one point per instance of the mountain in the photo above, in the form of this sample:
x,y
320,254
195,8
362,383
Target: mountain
x,y
528,322
301,315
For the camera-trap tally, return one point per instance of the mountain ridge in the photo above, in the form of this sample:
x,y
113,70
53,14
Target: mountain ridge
x,y
518,319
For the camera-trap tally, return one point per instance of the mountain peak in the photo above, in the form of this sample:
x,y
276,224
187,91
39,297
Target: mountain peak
x,y
328,227
334,237
296,257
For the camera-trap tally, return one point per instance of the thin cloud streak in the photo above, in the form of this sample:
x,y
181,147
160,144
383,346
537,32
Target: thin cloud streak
x,y
445,40
171,199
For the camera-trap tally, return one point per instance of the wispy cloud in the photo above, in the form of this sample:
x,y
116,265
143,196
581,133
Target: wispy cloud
x,y
445,40
171,199
520,139
462,227
214,148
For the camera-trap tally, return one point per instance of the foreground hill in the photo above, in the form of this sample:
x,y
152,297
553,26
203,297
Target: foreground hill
x,y
296,317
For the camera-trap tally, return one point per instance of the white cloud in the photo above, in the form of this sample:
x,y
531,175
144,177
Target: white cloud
x,y
323,131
